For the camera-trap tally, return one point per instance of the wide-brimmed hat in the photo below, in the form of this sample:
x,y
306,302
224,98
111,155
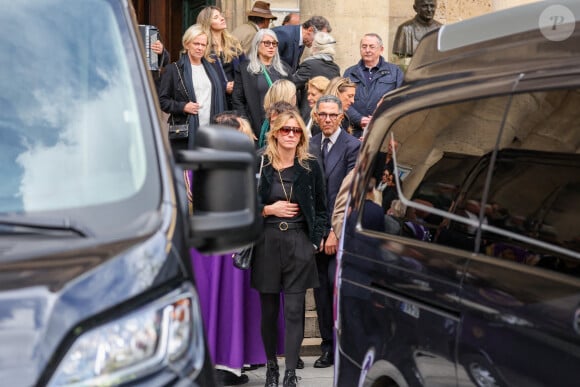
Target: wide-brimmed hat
x,y
261,9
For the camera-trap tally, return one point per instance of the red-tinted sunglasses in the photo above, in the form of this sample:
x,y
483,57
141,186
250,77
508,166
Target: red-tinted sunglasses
x,y
285,130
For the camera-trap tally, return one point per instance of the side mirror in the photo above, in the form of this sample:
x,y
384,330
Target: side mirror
x,y
225,206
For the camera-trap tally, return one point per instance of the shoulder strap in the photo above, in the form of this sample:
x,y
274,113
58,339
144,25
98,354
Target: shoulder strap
x,y
181,80
265,72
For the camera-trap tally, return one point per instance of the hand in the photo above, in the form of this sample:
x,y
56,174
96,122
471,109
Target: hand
x,y
331,244
157,47
230,87
283,209
365,121
191,108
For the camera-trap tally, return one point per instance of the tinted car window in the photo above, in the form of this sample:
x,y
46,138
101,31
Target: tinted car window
x,y
73,132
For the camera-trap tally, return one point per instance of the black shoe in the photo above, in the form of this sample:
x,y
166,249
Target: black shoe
x,y
324,361
290,378
300,364
227,378
252,367
272,374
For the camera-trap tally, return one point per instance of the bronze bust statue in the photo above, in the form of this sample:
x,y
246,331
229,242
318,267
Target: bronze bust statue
x,y
412,31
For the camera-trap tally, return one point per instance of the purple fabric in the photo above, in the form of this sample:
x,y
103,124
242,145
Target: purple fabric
x,y
231,311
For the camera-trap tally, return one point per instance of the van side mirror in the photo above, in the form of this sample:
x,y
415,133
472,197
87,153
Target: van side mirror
x,y
225,206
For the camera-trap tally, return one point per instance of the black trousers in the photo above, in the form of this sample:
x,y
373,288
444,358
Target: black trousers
x,y
323,296
293,319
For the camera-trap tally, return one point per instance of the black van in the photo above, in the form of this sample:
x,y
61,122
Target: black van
x,y
96,284
474,279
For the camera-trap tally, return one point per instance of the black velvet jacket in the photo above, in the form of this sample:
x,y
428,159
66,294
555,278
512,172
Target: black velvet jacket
x,y
309,193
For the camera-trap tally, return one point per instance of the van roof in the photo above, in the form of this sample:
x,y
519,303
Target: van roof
x,y
543,34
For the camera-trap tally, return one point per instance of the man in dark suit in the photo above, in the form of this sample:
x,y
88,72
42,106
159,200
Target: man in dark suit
x,y
337,152
293,38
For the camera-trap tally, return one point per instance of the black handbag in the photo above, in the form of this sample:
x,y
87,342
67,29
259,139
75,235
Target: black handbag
x,y
243,259
179,131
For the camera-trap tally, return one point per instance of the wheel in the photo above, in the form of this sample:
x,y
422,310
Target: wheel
x,y
481,371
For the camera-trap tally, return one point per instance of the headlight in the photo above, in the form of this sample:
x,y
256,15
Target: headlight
x,y
135,345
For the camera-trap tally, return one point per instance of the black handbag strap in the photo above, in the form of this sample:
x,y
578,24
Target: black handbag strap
x,y
184,88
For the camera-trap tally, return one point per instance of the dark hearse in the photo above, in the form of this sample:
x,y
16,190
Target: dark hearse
x,y
96,285
475,278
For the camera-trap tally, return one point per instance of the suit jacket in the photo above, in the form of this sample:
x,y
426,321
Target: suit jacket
x,y
245,34
289,46
309,193
340,160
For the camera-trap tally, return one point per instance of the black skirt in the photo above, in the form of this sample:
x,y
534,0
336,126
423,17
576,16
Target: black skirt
x,y
284,260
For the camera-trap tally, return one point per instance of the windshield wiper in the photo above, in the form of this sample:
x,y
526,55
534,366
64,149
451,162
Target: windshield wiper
x,y
24,225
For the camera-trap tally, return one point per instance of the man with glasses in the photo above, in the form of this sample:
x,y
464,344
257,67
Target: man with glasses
x,y
336,151
374,77
293,39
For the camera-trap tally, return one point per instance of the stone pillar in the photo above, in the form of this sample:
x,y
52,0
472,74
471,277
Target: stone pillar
x,y
349,21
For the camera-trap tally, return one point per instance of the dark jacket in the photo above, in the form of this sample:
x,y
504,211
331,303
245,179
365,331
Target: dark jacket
x,y
289,44
173,98
388,77
309,193
249,92
226,72
341,159
311,67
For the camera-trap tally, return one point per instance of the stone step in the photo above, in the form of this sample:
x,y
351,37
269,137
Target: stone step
x,y
310,347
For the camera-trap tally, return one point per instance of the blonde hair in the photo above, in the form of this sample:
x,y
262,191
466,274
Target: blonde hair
x,y
338,85
319,82
229,43
272,144
246,128
191,33
281,90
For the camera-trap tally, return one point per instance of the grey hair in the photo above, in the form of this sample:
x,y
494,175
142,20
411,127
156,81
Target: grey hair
x,y
375,35
323,43
327,98
255,66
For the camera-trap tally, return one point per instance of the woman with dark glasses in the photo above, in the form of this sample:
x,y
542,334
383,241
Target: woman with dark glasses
x,y
293,195
254,77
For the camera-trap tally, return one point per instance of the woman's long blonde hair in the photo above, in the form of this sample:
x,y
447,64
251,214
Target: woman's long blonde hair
x,y
229,43
272,145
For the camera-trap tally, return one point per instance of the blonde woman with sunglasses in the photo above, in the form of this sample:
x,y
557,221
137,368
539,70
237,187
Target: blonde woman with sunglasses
x,y
293,200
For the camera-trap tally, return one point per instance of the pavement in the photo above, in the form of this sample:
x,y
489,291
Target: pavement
x,y
309,376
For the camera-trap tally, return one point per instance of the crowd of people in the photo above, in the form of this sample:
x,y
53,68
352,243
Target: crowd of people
x,y
307,122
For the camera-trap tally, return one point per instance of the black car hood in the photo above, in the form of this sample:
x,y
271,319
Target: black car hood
x,y
43,298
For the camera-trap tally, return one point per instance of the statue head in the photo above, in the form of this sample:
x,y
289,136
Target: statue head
x,y
425,10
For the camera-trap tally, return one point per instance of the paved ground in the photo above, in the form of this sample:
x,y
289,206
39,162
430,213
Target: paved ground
x,y
310,376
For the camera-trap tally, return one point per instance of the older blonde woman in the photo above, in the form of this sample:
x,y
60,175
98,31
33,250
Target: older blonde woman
x,y
191,91
293,201
225,51
314,89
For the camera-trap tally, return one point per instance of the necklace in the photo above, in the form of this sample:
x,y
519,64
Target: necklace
x,y
284,188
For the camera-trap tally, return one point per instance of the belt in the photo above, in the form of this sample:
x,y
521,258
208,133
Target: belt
x,y
283,226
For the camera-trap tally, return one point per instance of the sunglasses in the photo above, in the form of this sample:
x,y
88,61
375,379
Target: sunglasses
x,y
285,130
269,43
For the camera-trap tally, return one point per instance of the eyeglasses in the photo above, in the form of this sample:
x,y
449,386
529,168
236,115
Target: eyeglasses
x,y
324,116
285,130
269,43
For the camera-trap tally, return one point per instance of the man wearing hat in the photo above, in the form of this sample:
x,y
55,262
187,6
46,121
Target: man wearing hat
x,y
258,17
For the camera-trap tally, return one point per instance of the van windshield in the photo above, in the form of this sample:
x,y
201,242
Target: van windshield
x,y
72,118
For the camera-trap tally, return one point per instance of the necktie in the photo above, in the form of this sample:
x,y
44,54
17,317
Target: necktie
x,y
325,149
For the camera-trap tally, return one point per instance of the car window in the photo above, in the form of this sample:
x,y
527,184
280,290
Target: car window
x,y
71,129
436,150
530,214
